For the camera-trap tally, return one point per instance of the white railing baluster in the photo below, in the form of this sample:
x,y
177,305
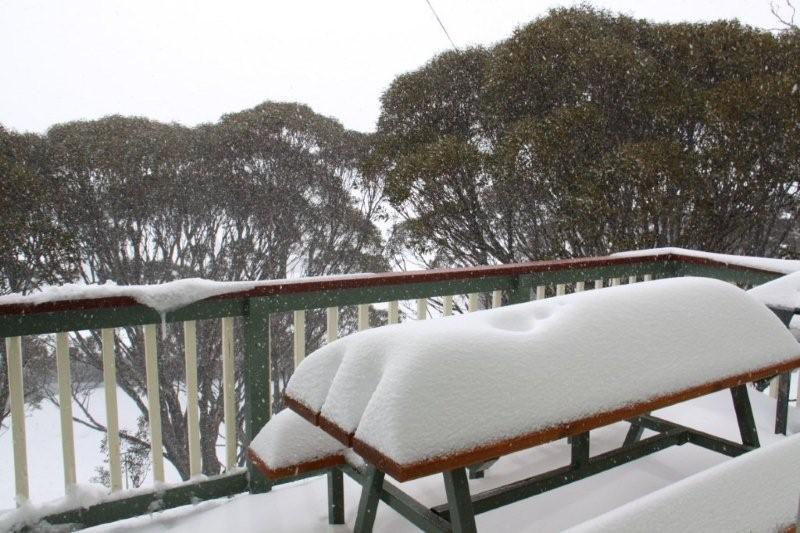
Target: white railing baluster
x,y
363,317
422,308
112,414
192,404
229,389
299,337
598,284
631,279
153,401
448,305
561,289
332,324
65,408
614,282
580,286
648,277
16,392
540,292
394,312
497,299
473,302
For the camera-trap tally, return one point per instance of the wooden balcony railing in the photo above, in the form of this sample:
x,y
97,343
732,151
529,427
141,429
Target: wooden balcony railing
x,y
508,284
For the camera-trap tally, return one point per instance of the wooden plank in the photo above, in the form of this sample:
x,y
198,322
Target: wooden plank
x,y
422,308
448,305
229,392
497,299
299,337
394,312
192,405
65,408
153,401
112,413
363,317
257,402
473,302
16,393
332,324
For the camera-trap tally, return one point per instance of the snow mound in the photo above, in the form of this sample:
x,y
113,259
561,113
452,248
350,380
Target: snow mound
x,y
289,440
784,266
427,389
755,492
782,293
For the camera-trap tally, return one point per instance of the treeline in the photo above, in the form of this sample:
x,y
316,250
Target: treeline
x,y
267,193
582,134
586,133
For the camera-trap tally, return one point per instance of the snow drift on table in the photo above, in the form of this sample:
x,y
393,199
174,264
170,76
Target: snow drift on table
x,y
427,389
755,492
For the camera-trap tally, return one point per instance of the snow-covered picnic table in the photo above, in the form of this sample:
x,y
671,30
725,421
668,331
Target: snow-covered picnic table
x,y
428,397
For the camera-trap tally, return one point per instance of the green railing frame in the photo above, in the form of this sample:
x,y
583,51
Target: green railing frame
x,y
256,305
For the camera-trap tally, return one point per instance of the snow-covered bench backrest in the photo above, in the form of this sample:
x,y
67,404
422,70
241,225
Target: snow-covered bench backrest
x,y
419,391
755,492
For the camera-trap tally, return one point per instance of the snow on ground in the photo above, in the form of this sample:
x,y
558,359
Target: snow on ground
x,y
392,384
302,507
45,467
785,266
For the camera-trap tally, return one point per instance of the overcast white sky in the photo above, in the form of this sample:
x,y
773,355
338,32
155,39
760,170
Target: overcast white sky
x,y
191,61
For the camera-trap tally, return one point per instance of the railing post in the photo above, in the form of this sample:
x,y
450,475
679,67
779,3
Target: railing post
x,y
447,305
153,400
299,337
17,399
394,312
363,317
422,308
65,407
519,293
112,414
473,302
192,409
229,393
257,381
497,299
332,324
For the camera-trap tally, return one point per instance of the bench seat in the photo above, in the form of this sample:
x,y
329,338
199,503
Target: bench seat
x,y
289,446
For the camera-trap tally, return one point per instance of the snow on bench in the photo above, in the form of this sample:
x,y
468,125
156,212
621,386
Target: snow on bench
x,y
782,293
408,397
758,491
289,446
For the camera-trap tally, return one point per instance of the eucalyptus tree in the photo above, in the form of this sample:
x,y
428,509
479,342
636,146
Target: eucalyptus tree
x,y
261,194
586,133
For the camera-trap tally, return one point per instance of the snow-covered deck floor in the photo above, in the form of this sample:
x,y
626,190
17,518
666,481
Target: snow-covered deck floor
x,y
302,506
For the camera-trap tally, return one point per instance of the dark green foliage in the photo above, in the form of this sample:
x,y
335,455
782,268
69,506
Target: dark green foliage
x,y
586,133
